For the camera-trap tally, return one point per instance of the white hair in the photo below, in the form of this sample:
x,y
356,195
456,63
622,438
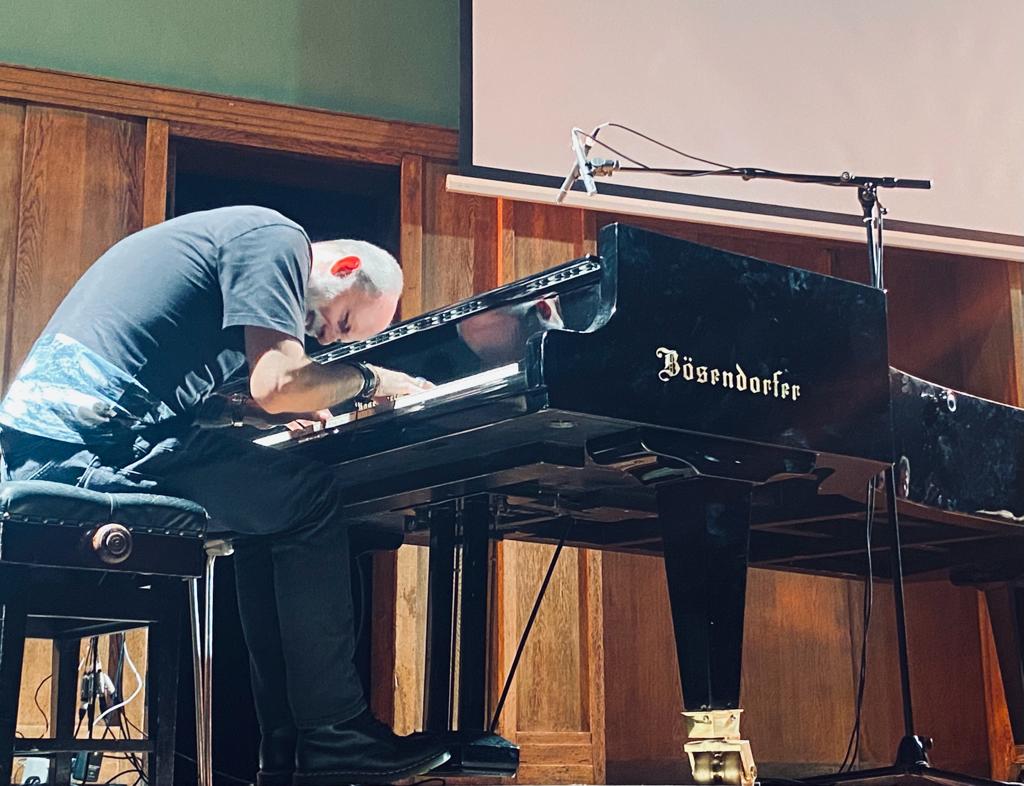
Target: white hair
x,y
378,272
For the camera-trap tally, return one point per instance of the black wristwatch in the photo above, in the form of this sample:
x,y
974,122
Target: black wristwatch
x,y
236,404
370,383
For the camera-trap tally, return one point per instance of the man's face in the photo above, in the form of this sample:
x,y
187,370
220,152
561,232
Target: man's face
x,y
352,315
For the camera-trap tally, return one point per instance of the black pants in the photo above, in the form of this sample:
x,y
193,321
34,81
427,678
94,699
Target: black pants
x,y
291,552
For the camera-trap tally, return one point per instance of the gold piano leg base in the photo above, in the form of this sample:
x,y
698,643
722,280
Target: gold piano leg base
x,y
717,754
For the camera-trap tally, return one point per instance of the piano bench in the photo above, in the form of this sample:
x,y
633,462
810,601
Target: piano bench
x,y
76,563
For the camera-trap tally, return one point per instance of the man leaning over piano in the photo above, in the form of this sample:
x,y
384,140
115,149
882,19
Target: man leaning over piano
x,y
111,397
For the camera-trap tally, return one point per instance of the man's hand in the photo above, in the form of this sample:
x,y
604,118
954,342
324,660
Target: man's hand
x,y
396,383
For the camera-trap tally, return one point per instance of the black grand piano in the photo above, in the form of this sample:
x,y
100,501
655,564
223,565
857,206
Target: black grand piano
x,y
667,398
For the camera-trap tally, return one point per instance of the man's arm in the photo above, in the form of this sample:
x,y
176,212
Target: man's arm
x,y
282,378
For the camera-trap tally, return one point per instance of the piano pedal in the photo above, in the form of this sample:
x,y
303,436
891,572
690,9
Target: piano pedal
x,y
478,753
717,754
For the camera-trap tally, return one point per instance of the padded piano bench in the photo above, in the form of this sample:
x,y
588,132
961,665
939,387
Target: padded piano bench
x,y
76,563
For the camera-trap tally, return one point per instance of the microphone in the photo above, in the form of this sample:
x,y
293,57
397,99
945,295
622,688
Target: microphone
x,y
580,169
581,162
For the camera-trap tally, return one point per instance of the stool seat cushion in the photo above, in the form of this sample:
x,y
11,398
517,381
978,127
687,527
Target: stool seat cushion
x,y
44,502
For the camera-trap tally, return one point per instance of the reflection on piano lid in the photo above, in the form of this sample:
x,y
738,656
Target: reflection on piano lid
x,y
444,393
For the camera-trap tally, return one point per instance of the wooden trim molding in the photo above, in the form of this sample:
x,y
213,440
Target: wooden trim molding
x,y
197,115
154,173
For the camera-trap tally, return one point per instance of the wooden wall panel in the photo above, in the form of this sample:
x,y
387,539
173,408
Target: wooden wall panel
x,y
12,126
798,672
81,187
556,712
235,120
448,252
155,171
987,306
70,186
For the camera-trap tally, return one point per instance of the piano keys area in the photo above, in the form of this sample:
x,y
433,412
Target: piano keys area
x,y
714,410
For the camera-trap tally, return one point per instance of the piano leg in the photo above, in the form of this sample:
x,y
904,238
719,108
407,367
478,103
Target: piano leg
x,y
440,598
457,603
476,549
705,527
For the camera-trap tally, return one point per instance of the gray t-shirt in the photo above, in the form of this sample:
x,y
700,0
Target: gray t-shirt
x,y
156,324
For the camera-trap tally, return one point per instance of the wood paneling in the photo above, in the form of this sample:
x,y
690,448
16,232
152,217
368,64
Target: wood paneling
x,y
1001,751
235,120
412,235
81,191
552,656
559,689
154,186
12,125
70,186
946,677
448,252
459,241
541,236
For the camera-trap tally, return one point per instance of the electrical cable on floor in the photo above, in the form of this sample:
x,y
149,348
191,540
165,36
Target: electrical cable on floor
x,y
224,775
179,754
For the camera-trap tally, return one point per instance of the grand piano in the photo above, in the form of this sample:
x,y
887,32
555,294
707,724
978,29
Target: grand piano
x,y
663,397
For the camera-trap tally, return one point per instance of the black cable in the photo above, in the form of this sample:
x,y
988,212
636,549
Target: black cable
x,y
224,775
529,625
593,137
90,711
140,766
35,700
118,676
117,775
853,744
749,173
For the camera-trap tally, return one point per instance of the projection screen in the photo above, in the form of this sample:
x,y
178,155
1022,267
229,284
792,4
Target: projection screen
x,y
905,88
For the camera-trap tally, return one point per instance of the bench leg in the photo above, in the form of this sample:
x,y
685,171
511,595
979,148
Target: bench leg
x,y
63,702
162,694
12,653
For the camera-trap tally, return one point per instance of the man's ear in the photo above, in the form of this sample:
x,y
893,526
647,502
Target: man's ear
x,y
346,266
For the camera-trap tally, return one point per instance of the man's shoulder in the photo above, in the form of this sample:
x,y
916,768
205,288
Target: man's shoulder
x,y
224,224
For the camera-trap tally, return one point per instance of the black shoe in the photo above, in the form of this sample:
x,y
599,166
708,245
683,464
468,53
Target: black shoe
x,y
277,758
362,750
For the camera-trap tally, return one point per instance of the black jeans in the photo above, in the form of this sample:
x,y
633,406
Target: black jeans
x,y
291,556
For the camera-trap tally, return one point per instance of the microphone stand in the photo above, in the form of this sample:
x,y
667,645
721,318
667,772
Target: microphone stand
x,y
867,193
912,752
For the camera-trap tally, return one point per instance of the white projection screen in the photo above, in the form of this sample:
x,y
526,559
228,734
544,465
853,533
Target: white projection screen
x,y
930,89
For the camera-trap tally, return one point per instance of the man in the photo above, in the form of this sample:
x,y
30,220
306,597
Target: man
x,y
111,397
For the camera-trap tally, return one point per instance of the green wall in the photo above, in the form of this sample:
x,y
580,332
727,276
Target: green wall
x,y
396,59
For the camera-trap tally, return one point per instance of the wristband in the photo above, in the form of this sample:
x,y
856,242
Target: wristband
x,y
370,383
237,411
